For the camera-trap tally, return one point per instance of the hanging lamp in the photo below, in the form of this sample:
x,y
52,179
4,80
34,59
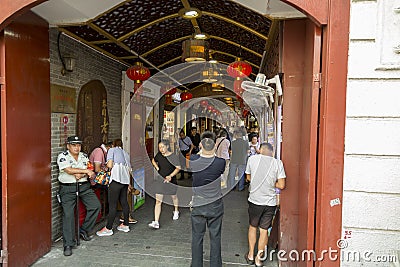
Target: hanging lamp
x,y
194,50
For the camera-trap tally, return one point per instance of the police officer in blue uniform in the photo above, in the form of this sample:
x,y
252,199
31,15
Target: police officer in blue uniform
x,y
73,169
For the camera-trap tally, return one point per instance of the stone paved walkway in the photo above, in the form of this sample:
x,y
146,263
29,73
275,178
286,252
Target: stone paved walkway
x,y
167,246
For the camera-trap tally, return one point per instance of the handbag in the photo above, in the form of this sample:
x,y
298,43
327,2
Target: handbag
x,y
102,177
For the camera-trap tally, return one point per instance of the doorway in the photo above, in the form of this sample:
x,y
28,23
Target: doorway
x,y
92,119
332,130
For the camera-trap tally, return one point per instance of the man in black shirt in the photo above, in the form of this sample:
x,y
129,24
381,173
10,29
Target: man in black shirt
x,y
208,208
195,137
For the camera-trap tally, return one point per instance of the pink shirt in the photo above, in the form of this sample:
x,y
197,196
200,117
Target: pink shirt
x,y
98,155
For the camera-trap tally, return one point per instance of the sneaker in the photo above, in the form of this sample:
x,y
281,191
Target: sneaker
x,y
176,215
123,228
104,232
131,220
67,251
154,225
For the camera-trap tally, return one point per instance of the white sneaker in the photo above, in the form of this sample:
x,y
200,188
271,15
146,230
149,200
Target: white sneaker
x,y
123,228
175,216
154,224
105,232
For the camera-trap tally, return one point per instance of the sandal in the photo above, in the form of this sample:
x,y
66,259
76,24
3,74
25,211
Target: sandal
x,y
246,257
261,264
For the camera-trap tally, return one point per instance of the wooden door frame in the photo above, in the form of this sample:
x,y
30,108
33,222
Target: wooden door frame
x,y
332,128
301,50
328,165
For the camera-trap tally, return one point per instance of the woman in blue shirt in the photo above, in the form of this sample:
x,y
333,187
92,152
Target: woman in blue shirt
x,y
119,163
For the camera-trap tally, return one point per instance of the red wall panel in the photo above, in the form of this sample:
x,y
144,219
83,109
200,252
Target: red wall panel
x,y
293,80
26,141
300,65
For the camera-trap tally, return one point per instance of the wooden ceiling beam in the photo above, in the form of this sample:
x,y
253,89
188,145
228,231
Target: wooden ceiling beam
x,y
94,46
231,21
141,28
235,44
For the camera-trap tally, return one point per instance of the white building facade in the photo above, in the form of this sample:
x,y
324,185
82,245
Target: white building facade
x,y
371,197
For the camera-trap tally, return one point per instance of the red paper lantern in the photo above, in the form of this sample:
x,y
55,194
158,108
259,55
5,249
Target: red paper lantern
x,y
239,69
203,103
138,72
167,90
168,99
186,96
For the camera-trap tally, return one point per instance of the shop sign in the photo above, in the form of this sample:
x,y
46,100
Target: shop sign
x,y
63,99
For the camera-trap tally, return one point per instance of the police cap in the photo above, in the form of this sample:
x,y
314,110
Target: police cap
x,y
74,140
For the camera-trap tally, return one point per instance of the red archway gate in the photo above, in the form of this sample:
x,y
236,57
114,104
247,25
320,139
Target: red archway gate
x,y
10,9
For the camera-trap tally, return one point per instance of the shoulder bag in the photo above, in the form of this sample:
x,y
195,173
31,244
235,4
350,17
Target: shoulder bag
x,y
102,177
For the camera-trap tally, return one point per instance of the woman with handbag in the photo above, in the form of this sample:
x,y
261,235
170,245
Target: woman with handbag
x,y
167,165
119,163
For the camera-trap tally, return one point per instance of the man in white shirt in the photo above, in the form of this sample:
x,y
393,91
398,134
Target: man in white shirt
x,y
265,173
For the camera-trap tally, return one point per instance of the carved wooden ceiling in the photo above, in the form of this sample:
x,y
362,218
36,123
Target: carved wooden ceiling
x,y
153,32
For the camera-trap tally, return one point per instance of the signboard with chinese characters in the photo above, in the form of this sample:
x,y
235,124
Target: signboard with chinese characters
x,y
63,99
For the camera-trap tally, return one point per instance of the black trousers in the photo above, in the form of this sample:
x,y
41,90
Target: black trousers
x,y
68,202
209,215
117,191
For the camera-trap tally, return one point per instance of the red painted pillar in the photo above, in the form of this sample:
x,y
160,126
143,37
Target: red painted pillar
x,y
25,140
332,129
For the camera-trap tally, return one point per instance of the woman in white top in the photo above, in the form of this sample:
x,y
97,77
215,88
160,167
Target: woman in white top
x,y
254,146
222,145
119,163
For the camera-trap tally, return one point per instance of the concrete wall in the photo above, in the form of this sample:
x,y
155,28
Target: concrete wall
x,y
90,65
371,199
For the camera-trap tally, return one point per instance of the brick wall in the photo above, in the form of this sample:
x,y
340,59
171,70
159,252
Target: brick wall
x,y
90,65
371,197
